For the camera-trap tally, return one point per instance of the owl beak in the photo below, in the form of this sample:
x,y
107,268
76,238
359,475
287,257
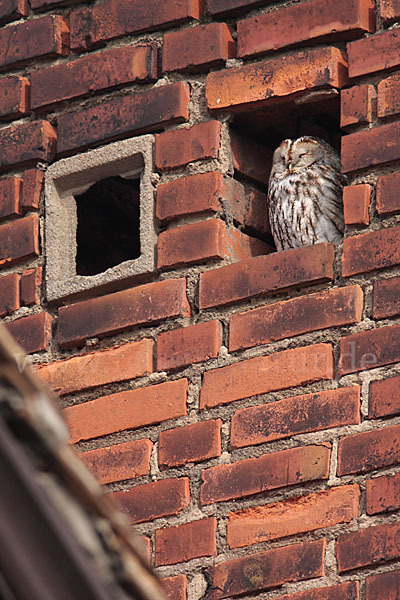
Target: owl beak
x,y
290,167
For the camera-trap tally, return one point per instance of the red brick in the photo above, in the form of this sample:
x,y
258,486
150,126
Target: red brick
x,y
367,546
369,450
319,20
388,97
384,398
181,146
93,25
356,105
10,197
264,374
19,240
375,53
9,294
344,591
37,38
188,345
299,414
154,500
257,572
146,549
86,371
27,143
268,472
32,189
247,205
127,410
333,308
263,274
371,147
387,194
389,11
93,73
356,201
254,85
369,349
174,588
33,333
13,9
297,515
384,586
192,443
198,48
187,541
14,94
222,7
250,158
386,298
122,461
117,312
383,493
122,116
370,251
31,281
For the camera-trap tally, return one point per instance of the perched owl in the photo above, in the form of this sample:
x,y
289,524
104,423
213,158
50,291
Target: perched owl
x,y
305,194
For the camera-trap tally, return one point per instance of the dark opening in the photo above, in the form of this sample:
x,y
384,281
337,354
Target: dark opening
x,y
108,230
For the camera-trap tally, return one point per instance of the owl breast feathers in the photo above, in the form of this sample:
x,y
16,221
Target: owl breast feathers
x,y
305,194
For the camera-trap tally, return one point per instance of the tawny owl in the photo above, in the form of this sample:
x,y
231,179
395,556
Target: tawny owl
x,y
305,194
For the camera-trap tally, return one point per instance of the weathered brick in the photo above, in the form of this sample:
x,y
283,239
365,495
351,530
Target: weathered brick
x,y
299,414
146,553
369,349
384,398
268,472
154,500
33,39
174,588
14,94
367,546
197,48
9,294
356,105
187,541
99,368
344,591
266,81
369,450
32,189
137,113
356,201
388,97
387,194
386,301
192,443
220,7
93,25
181,146
389,11
374,53
180,347
339,306
371,147
116,312
247,205
93,73
263,274
370,251
384,586
13,9
319,20
297,515
264,374
33,333
383,493
250,158
10,197
257,572
127,410
122,461
19,240
31,281
27,143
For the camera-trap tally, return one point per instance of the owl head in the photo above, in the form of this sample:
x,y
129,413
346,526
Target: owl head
x,y
293,156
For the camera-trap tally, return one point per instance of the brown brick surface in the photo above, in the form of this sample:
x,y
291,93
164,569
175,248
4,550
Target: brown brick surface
x,y
122,116
32,189
371,147
387,194
122,461
344,591
174,588
386,301
384,586
9,294
19,240
220,7
370,251
10,197
180,347
154,500
127,410
257,572
369,450
356,105
187,541
31,281
181,146
374,53
340,306
356,201
114,313
382,494
384,398
297,515
369,349
14,97
250,158
27,143
82,372
389,11
247,204
267,472
33,333
388,97
291,416
264,374
146,549
367,546
192,443
13,9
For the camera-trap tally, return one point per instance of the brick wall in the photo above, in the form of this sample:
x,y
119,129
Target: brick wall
x,y
241,405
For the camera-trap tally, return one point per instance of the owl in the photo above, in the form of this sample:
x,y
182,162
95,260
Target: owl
x,y
305,194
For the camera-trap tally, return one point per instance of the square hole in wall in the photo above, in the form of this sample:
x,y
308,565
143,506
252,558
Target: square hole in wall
x,y
99,221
